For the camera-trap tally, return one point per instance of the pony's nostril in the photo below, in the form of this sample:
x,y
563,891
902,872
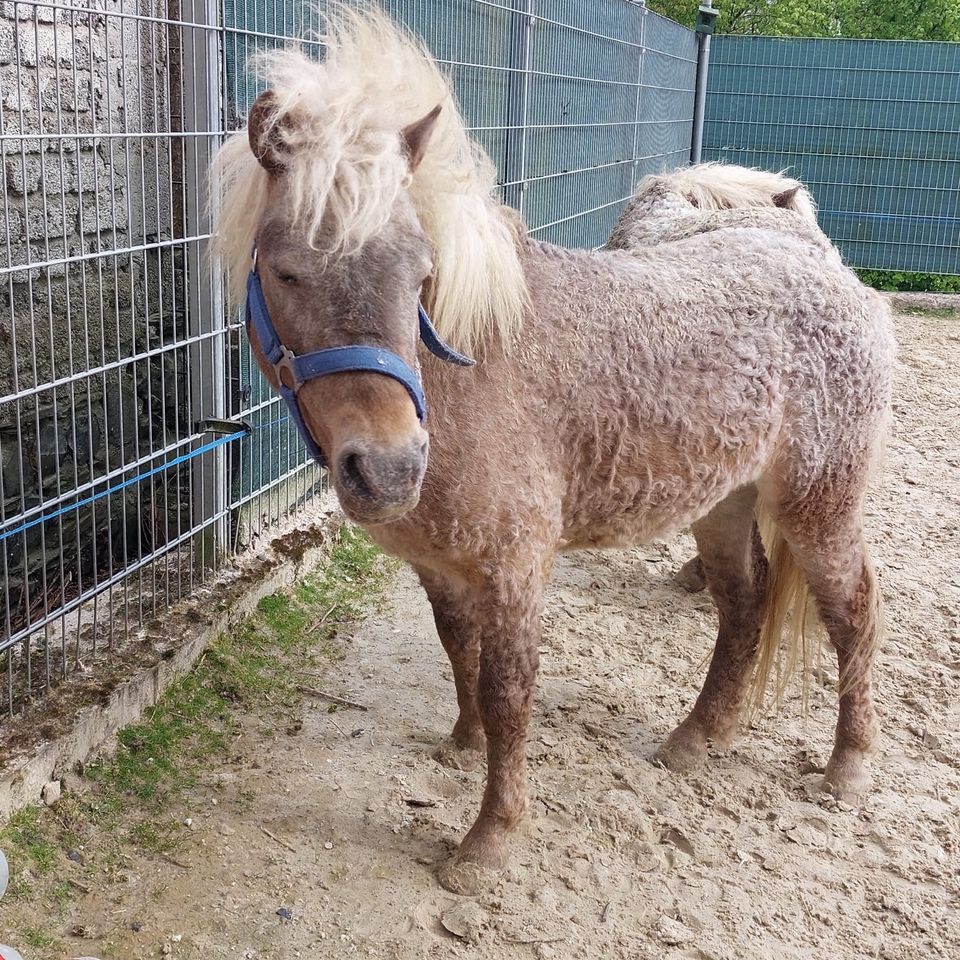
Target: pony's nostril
x,y
424,449
374,475
351,472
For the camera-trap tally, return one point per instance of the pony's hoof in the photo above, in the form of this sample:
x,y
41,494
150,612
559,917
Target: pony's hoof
x,y
684,751
691,576
479,862
466,878
456,757
847,779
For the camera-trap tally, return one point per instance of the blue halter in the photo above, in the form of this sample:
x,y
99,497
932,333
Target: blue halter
x,y
320,363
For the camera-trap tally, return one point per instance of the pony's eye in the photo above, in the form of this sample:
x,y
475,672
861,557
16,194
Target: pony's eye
x,y
284,277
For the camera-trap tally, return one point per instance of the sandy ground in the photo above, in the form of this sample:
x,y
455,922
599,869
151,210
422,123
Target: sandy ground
x,y
745,859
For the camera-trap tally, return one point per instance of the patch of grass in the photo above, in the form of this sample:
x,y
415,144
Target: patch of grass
x,y
29,844
136,796
262,662
37,938
27,838
943,313
147,765
61,894
157,837
35,841
284,616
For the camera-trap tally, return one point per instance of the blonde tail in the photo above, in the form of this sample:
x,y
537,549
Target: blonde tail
x,y
790,629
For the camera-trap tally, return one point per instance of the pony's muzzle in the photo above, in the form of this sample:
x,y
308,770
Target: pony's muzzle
x,y
379,483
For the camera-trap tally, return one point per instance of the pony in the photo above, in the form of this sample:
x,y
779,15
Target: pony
x,y
615,397
674,205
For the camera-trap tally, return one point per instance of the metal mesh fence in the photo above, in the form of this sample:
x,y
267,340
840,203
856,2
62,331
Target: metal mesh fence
x,y
598,95
116,499
104,515
871,126
271,472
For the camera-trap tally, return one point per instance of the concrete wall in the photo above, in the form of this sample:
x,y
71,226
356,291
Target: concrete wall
x,y
88,166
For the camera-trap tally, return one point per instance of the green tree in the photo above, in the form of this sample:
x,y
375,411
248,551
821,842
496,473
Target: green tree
x,y
900,19
892,20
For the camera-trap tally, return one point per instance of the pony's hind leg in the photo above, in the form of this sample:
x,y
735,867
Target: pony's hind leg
x,y
736,572
832,553
459,633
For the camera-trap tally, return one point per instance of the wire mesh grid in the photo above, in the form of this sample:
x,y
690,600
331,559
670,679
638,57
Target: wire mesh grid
x,y
100,514
115,348
574,102
271,473
609,100
871,126
115,500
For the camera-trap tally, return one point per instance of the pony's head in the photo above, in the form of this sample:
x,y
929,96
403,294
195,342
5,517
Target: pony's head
x,y
361,191
722,186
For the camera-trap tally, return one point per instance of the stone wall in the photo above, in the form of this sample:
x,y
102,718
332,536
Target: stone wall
x,y
91,173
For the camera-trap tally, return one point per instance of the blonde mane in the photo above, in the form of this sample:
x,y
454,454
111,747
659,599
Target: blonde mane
x,y
721,186
339,121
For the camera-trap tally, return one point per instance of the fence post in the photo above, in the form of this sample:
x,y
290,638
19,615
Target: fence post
x,y
206,317
706,18
641,62
515,160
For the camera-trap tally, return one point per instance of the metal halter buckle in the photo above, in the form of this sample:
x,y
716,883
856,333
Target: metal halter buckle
x,y
287,362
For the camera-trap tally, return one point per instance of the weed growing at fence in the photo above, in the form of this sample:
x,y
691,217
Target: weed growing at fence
x,y
910,282
133,802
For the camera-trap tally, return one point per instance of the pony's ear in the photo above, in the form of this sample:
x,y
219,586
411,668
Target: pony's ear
x,y
416,136
785,199
264,130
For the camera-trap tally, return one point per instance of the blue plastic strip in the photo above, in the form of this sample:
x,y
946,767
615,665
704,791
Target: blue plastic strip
x,y
139,478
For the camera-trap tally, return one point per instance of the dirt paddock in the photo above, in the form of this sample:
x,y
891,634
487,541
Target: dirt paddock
x,y
619,859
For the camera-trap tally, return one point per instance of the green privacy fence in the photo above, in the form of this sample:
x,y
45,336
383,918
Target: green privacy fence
x,y
871,126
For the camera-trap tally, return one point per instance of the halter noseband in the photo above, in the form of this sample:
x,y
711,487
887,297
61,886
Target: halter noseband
x,y
293,371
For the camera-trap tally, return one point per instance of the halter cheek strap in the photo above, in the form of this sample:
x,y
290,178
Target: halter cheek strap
x,y
293,372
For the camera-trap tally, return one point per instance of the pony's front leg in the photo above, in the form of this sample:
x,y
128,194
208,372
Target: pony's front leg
x,y
459,630
510,634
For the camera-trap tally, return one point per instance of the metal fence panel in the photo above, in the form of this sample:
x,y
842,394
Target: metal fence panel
x,y
609,98
105,488
115,350
871,126
271,473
